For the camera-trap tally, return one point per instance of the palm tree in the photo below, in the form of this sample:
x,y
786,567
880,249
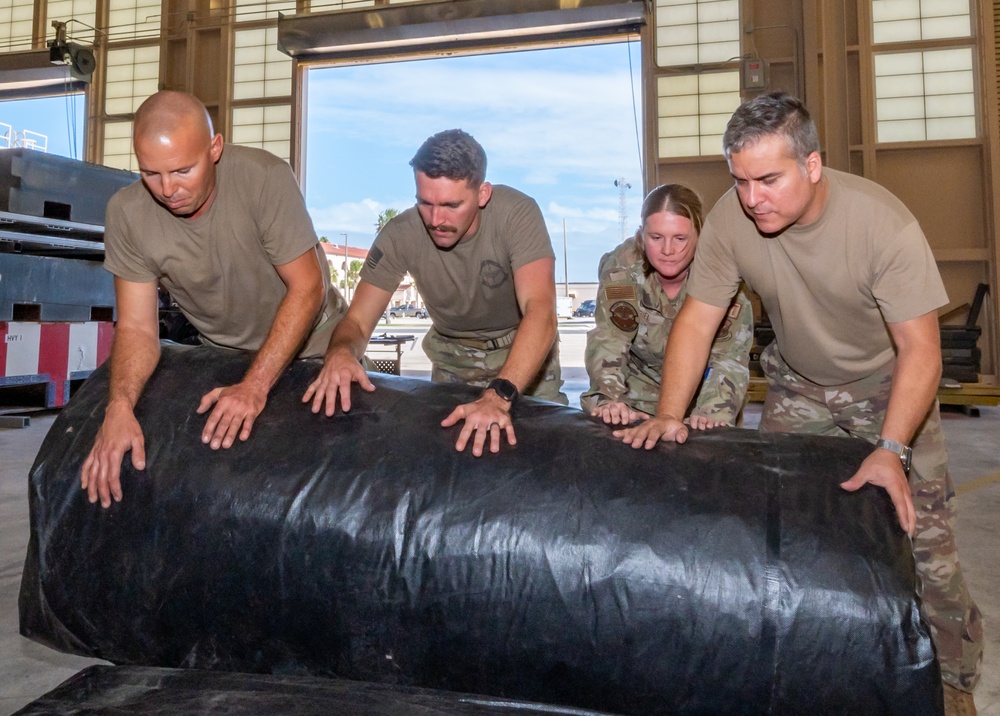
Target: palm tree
x,y
383,219
354,273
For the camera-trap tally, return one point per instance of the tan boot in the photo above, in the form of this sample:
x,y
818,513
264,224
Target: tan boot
x,y
958,702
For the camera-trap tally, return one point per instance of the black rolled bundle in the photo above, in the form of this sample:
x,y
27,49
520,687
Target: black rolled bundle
x,y
727,575
151,691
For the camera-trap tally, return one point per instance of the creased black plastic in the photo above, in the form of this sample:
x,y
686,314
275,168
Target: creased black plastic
x,y
727,575
150,691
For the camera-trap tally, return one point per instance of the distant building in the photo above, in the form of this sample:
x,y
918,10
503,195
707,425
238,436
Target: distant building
x,y
406,293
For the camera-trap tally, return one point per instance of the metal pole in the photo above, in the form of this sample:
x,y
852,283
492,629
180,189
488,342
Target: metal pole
x,y
346,294
565,263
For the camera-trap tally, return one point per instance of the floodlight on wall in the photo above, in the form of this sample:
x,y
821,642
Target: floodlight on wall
x,y
457,24
79,58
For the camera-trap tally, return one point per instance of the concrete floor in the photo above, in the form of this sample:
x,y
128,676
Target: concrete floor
x,y
27,669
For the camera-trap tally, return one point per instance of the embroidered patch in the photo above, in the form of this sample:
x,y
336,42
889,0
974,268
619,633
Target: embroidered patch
x,y
620,293
491,274
725,330
374,256
624,316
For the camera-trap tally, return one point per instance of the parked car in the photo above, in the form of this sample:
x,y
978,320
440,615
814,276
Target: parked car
x,y
407,310
586,309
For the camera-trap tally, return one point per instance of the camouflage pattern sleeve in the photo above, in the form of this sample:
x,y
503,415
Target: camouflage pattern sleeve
x,y
607,352
724,389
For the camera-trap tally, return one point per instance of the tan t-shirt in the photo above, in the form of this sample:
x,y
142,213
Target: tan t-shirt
x,y
828,287
220,267
469,289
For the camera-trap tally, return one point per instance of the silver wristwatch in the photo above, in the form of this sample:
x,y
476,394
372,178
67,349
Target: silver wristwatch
x,y
904,452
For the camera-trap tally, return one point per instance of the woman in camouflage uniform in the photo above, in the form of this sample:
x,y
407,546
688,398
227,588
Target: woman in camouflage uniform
x,y
641,291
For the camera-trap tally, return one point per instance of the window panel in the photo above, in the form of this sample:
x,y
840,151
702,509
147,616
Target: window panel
x,y
133,19
900,86
720,52
948,60
946,27
718,11
936,103
951,128
949,82
118,146
719,82
682,147
719,32
132,76
677,56
677,106
898,64
905,108
84,11
259,69
267,128
709,100
894,10
955,105
912,130
909,20
15,25
680,127
697,32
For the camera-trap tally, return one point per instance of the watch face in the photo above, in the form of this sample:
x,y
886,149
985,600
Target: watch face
x,y
505,389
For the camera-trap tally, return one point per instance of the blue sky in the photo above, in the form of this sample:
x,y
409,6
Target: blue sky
x,y
556,124
60,118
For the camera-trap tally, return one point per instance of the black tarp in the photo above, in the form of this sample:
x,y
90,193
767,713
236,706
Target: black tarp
x,y
727,575
150,691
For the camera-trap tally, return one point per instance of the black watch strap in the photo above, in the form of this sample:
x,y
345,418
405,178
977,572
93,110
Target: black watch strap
x,y
505,389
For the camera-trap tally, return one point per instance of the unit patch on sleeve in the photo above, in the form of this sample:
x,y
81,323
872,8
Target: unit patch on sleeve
x,y
624,316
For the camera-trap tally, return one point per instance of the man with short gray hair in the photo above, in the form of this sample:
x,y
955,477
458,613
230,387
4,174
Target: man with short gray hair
x,y
852,290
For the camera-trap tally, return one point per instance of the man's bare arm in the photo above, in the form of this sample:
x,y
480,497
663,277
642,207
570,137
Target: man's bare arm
x,y
535,286
342,362
134,355
915,381
237,406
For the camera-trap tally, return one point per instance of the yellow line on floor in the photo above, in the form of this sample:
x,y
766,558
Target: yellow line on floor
x,y
978,483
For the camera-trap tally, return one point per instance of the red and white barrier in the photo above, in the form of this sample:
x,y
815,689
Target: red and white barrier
x,y
52,353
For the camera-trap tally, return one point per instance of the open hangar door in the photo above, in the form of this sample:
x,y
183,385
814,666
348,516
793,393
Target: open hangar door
x,y
537,44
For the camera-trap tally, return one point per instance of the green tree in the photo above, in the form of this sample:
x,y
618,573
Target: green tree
x,y
334,276
354,273
383,219
324,240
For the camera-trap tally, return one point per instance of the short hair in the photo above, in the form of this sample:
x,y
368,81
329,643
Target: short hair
x,y
453,154
676,199
769,114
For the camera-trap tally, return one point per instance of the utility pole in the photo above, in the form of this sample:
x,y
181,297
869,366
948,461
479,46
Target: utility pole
x,y
346,267
622,208
565,263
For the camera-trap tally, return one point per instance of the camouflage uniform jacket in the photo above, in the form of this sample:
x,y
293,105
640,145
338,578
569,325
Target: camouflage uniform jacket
x,y
625,349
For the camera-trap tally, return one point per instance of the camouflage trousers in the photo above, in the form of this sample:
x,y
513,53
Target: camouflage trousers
x,y
454,360
796,405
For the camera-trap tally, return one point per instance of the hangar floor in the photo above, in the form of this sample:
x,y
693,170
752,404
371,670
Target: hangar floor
x,y
29,669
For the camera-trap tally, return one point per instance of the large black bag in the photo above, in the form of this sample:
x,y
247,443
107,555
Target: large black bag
x,y
151,691
727,575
